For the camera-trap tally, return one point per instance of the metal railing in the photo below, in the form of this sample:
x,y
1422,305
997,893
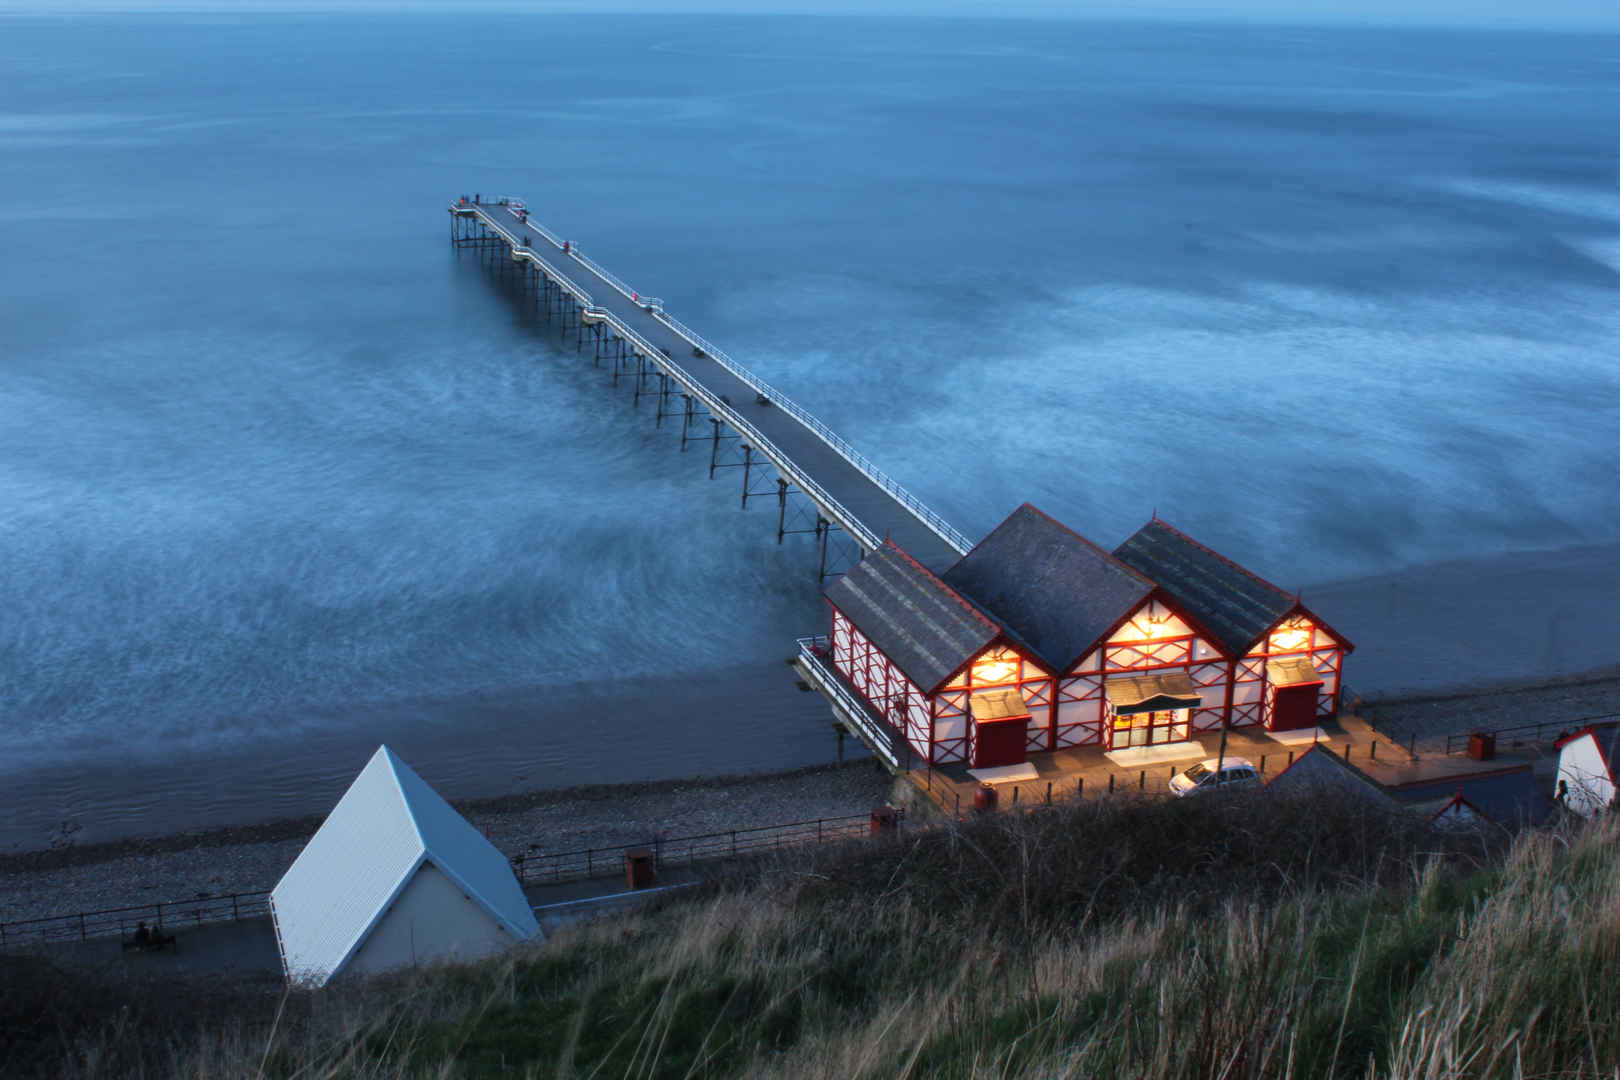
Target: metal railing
x,y
865,465
877,734
530,868
1523,734
752,435
687,850
122,921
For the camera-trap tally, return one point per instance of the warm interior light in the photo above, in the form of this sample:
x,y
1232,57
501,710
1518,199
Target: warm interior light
x,y
993,671
1292,638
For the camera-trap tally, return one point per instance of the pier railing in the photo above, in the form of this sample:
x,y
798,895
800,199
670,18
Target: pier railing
x,y
884,741
841,446
1521,735
751,435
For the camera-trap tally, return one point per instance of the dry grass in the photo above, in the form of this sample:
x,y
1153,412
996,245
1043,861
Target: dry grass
x,y
1233,938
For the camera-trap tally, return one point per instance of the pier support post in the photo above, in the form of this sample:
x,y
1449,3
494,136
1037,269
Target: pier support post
x,y
714,452
823,527
686,418
781,508
748,465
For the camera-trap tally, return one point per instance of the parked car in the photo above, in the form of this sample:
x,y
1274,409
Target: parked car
x,y
1213,774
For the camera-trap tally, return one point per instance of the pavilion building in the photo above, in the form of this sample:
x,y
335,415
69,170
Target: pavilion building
x,y
1038,640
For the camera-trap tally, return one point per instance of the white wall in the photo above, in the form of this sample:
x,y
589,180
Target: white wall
x,y
1580,765
431,919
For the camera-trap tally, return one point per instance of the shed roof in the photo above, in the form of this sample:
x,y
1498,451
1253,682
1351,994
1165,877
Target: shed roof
x,y
921,624
1055,590
1508,797
386,825
1607,741
1234,604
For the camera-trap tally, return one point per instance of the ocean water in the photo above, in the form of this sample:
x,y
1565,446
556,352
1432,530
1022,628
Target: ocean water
x,y
274,457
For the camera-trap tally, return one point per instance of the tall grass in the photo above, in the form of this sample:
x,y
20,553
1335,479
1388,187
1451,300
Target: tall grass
x,y
1233,938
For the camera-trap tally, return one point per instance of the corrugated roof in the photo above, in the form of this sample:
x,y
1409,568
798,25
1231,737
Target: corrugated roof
x,y
918,621
384,827
1053,588
1233,604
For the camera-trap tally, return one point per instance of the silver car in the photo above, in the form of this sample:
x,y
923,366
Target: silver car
x,y
1213,774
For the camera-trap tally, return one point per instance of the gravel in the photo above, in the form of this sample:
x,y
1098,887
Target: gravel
x,y
253,858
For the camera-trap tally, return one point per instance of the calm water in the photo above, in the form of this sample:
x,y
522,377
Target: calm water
x,y
272,455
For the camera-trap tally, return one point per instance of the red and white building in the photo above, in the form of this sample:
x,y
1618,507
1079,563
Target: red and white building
x,y
1588,762
1038,639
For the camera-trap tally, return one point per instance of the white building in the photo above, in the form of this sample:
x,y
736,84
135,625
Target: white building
x,y
394,877
1587,763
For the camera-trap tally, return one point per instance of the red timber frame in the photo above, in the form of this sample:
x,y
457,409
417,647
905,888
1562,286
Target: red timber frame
x,y
935,722
1154,638
1297,635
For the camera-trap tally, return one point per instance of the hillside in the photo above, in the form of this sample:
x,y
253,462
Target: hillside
x,y
1241,937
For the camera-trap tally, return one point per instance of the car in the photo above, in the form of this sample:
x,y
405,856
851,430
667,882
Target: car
x,y
1213,774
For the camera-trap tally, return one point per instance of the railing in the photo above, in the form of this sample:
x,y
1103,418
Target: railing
x,y
542,868
168,915
875,733
938,525
1520,735
687,850
753,435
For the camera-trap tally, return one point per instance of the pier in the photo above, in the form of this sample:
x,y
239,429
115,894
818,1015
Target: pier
x,y
818,481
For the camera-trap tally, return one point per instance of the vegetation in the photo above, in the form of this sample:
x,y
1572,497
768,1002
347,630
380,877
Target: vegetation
x,y
1208,937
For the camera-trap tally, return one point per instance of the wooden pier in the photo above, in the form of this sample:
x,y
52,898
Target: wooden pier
x,y
785,453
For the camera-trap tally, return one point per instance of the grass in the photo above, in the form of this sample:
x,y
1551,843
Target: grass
x,y
1233,938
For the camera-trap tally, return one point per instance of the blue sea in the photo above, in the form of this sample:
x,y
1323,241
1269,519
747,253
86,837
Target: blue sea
x,y
283,474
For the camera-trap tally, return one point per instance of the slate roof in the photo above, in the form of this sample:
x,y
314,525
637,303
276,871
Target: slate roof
x,y
386,825
1233,604
1510,797
1055,590
916,620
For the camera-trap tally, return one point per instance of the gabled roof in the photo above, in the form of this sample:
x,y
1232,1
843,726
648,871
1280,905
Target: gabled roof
x,y
921,624
1320,771
1236,606
387,824
1510,796
1607,741
1055,590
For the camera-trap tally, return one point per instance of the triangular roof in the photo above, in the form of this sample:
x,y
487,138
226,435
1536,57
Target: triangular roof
x,y
384,828
921,624
1237,606
1320,770
1059,593
1607,742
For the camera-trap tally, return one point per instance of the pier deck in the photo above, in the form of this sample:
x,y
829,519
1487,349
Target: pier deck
x,y
847,489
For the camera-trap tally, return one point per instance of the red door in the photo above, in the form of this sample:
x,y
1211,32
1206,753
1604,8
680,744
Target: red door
x,y
1293,708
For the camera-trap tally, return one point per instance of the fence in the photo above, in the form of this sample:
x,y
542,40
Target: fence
x,y
544,868
1523,734
687,850
168,915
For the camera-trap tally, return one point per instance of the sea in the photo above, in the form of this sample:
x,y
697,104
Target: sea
x,y
284,474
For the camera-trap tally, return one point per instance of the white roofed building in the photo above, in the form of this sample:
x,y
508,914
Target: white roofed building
x,y
394,877
1587,763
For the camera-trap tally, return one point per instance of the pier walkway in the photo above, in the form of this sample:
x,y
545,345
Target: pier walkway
x,y
847,490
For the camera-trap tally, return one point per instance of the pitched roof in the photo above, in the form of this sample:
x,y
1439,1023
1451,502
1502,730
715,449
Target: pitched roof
x,y
1510,796
915,619
386,825
1055,590
1320,771
1235,605
1607,741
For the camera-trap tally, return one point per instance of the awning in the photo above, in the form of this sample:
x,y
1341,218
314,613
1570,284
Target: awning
x,y
998,705
1152,693
1296,672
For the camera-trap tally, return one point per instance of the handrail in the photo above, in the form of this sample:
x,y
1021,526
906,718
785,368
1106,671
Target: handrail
x,y
783,462
841,446
881,741
1516,735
